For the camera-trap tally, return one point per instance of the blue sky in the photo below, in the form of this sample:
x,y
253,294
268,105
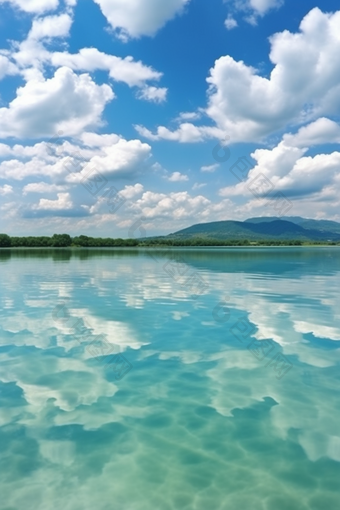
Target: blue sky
x,y
143,93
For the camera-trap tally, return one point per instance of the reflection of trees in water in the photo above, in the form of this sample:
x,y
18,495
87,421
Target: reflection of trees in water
x,y
65,253
288,261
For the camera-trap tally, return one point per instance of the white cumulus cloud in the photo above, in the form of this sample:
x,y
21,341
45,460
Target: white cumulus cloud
x,y
120,69
251,9
263,6
210,168
6,189
185,133
50,26
178,177
302,87
303,84
230,23
63,202
40,187
7,67
134,18
310,183
155,94
33,6
65,102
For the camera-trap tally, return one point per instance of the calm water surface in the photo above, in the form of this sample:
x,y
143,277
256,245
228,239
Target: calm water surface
x,y
192,379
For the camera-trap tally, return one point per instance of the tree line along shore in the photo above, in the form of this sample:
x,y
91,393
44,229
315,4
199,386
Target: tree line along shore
x,y
82,241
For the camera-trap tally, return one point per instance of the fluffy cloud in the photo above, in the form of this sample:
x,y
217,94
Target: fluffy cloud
x,y
68,162
262,6
322,131
50,26
33,6
131,192
7,67
158,212
32,55
312,182
171,211
155,94
126,70
186,133
186,116
63,206
175,205
230,23
178,177
252,9
63,202
210,168
198,185
33,113
40,187
66,165
94,140
6,189
133,18
303,84
125,158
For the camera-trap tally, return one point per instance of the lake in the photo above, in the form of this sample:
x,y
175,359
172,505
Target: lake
x,y
170,379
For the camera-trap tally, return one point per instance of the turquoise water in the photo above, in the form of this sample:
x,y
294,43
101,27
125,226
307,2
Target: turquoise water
x,y
189,379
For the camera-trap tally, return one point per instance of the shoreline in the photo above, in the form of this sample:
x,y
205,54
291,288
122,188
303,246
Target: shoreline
x,y
165,247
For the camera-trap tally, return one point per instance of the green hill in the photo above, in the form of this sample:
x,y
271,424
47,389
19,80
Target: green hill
x,y
321,225
254,229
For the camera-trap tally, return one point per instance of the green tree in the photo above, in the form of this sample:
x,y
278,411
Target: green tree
x,y
5,241
61,240
81,240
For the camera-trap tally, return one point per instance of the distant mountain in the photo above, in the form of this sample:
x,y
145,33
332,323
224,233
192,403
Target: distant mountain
x,y
322,225
272,228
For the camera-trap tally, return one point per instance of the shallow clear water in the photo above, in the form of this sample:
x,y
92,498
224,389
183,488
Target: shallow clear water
x,y
189,379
